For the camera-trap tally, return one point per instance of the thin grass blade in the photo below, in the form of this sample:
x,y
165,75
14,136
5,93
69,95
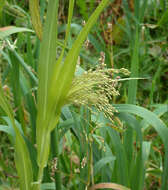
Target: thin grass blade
x,y
132,89
22,158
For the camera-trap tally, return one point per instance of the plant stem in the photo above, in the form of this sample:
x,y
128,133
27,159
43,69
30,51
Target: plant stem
x,y
55,152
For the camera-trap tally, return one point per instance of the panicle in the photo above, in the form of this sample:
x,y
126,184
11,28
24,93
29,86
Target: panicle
x,y
95,88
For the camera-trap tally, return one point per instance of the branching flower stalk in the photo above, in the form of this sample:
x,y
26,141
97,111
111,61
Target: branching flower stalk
x,y
96,88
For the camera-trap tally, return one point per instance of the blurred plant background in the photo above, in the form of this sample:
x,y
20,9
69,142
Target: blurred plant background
x,y
132,150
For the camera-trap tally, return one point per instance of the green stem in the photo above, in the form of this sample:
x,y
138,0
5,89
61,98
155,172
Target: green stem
x,y
55,152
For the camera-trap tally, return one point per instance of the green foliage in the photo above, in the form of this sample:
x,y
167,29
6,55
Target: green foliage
x,y
4,32
83,8
59,95
22,158
163,21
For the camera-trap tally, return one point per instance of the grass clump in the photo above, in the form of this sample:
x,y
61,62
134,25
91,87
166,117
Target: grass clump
x,y
75,131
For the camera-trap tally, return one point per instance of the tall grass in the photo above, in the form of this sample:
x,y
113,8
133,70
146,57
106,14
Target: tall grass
x,y
63,146
51,75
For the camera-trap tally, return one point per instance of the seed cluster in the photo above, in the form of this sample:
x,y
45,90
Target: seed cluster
x,y
96,88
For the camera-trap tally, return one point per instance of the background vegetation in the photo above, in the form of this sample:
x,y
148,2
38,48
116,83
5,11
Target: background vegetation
x,y
127,149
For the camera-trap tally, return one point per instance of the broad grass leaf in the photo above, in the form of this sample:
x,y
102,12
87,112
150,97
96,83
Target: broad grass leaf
x,y
8,30
46,62
149,116
99,165
159,111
